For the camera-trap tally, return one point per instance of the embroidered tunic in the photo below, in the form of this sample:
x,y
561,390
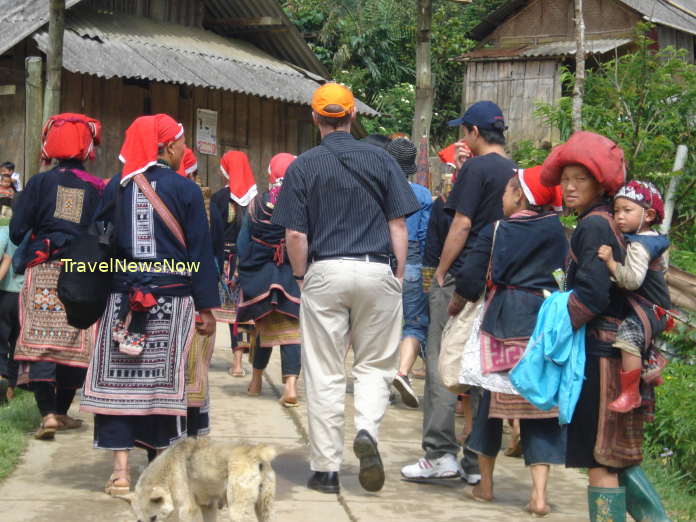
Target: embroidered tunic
x,y
153,382
596,435
265,274
526,250
55,207
143,236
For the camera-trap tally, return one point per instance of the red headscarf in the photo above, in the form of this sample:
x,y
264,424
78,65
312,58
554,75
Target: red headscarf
x,y
276,172
144,136
189,163
70,136
448,155
601,156
236,168
536,193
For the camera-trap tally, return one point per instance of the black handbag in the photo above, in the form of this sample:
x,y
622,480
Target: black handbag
x,y
85,293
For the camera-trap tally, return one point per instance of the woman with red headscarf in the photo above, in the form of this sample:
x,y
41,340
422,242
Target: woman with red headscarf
x,y
232,201
55,207
135,384
590,168
270,295
514,258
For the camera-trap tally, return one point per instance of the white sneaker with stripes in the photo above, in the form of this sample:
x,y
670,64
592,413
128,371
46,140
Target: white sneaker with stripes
x,y
445,467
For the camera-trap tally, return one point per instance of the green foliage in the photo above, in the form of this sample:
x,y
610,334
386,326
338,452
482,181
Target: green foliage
x,y
526,154
645,102
684,259
672,487
396,104
370,46
671,437
16,421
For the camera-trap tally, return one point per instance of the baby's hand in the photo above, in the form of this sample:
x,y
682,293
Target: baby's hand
x,y
605,253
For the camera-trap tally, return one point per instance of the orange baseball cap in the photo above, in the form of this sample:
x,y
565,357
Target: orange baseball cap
x,y
333,94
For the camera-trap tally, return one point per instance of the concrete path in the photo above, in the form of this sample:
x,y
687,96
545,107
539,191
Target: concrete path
x,y
62,481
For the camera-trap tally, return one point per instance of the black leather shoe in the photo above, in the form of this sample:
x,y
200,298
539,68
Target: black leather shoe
x,y
324,481
371,474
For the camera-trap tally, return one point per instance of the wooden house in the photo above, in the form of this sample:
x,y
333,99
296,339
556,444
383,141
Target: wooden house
x,y
524,44
236,73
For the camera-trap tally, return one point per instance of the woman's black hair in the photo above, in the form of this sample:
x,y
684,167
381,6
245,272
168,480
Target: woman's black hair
x,y
493,136
378,140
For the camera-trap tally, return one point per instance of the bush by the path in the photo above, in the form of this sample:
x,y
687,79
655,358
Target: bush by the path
x,y
671,438
17,420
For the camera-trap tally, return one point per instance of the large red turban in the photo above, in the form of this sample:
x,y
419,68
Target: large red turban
x,y
70,136
603,158
236,168
144,136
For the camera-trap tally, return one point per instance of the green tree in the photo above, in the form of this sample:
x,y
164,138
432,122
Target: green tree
x,y
646,102
369,45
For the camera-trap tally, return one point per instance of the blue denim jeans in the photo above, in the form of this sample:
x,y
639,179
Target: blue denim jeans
x,y
415,303
543,440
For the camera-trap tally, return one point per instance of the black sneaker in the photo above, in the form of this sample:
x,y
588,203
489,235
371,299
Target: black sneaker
x,y
324,482
371,474
408,394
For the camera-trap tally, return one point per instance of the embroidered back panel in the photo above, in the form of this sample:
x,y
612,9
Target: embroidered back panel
x,y
45,334
152,382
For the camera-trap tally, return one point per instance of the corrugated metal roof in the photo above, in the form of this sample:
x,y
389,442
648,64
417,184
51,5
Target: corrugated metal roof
x,y
547,50
667,12
568,47
664,12
19,19
116,45
287,44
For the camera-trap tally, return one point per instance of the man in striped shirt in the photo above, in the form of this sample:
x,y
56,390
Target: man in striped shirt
x,y
343,205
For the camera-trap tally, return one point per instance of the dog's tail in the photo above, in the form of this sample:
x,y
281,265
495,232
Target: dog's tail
x,y
264,452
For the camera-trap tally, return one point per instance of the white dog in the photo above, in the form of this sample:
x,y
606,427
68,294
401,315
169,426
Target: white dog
x,y
193,479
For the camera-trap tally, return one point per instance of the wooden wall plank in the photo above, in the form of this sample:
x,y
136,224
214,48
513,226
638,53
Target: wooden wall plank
x,y
255,134
268,131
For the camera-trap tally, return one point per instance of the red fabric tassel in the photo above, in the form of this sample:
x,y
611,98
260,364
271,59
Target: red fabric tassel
x,y
41,256
670,324
142,301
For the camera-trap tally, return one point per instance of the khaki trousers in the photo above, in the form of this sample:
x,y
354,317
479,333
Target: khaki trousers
x,y
347,302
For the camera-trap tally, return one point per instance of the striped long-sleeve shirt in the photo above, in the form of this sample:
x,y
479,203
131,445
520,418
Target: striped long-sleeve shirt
x,y
344,206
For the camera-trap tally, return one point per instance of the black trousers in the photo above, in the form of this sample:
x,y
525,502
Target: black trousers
x,y
50,399
55,385
9,332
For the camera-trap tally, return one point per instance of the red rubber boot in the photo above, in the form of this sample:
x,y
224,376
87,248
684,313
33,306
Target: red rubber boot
x,y
630,393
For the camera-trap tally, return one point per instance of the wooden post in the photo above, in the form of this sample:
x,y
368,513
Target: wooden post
x,y
579,89
33,116
679,161
54,62
420,133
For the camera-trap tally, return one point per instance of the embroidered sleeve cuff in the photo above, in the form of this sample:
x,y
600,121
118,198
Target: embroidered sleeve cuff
x,y
579,313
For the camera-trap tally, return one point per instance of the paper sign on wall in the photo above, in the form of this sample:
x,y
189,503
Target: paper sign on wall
x,y
206,132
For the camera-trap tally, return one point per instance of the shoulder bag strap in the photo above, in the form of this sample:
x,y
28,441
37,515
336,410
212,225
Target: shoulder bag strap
x,y
370,189
162,211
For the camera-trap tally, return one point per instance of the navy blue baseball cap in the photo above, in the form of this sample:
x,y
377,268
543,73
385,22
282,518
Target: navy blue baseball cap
x,y
483,114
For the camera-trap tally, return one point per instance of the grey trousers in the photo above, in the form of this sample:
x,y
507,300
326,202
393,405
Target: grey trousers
x,y
439,404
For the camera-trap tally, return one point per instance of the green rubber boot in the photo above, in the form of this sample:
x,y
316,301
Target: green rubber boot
x,y
642,501
606,504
